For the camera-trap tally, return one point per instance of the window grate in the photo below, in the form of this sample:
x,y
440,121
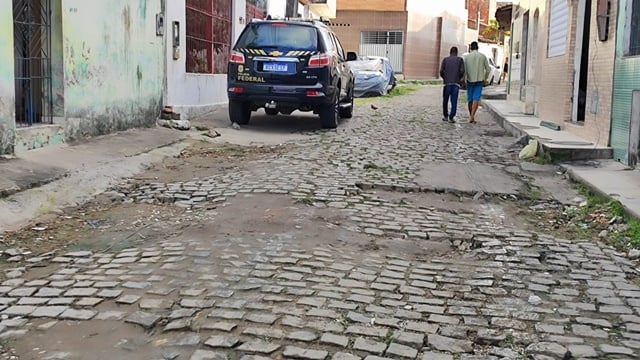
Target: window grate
x,y
32,60
381,37
208,35
634,34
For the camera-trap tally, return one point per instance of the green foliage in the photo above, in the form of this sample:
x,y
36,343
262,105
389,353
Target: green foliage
x,y
629,238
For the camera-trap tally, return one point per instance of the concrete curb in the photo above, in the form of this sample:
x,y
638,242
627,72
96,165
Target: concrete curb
x,y
596,190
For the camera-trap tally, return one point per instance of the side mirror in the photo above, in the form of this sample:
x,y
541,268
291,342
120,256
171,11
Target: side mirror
x,y
352,56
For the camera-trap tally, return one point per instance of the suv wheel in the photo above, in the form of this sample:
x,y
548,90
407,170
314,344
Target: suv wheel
x,y
347,110
239,112
271,111
329,114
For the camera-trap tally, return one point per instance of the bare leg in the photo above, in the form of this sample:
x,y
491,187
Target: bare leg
x,y
470,105
473,109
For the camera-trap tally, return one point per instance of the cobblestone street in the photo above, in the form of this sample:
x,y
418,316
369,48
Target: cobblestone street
x,y
334,248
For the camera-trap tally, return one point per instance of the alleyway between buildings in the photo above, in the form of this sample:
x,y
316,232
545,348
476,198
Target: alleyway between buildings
x,y
396,236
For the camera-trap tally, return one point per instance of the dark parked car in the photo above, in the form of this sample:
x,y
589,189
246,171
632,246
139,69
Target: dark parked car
x,y
288,65
374,76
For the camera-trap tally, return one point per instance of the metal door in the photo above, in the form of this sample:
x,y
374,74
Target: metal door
x,y
388,44
32,57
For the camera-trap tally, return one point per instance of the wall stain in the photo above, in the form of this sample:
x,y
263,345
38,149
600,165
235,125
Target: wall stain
x,y
142,7
139,75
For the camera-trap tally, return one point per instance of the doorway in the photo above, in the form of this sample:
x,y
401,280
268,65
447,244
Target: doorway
x,y
581,64
32,59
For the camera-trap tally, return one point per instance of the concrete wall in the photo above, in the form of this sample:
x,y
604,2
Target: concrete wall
x,y
597,122
113,65
195,94
548,88
7,81
349,24
57,58
372,5
431,31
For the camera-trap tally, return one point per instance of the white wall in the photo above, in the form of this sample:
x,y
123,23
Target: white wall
x,y
438,8
194,94
277,8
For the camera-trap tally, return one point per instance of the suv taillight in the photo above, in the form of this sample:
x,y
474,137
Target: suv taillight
x,y
236,57
317,61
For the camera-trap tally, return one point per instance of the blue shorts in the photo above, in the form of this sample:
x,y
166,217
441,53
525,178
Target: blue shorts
x,y
474,92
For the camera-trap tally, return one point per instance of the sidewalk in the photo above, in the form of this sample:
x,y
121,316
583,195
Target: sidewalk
x,y
590,165
64,175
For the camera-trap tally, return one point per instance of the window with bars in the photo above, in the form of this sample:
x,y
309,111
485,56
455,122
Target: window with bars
x,y
381,37
208,36
633,24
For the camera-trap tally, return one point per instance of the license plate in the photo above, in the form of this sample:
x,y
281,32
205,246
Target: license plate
x,y
275,67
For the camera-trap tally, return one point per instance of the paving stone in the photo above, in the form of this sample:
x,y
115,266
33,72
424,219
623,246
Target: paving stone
x,y
301,353
219,325
22,292
227,314
179,324
73,314
144,319
128,299
305,336
109,294
451,345
396,350
615,350
197,303
188,340
367,331
370,346
409,338
262,318
48,292
221,341
588,331
344,356
582,351
554,350
80,292
258,346
111,315
429,355
333,339
262,332
209,355
138,285
88,301
19,310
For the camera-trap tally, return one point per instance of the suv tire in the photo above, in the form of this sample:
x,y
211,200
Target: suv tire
x,y
239,112
271,111
347,111
329,114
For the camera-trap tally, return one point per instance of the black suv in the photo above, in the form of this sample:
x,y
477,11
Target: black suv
x,y
287,65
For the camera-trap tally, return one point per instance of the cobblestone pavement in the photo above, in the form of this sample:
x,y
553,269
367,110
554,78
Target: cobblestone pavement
x,y
512,294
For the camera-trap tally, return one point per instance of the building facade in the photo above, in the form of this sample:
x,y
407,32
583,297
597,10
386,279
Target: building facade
x,y
561,67
413,36
72,69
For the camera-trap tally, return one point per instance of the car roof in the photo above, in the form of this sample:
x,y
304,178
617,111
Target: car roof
x,y
304,22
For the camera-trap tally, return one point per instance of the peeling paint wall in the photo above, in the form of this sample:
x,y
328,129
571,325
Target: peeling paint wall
x,y
57,60
113,65
7,82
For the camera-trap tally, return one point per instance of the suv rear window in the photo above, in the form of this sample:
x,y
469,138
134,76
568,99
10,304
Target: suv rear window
x,y
279,36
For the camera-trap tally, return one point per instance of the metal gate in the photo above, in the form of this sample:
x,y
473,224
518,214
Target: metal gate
x,y
388,44
32,49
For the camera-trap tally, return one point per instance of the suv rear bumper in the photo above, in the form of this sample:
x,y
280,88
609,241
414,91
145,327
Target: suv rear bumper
x,y
290,95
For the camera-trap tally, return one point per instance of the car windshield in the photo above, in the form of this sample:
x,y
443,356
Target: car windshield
x,y
280,36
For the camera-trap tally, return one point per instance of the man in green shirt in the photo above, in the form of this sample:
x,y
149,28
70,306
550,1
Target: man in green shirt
x,y
476,71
